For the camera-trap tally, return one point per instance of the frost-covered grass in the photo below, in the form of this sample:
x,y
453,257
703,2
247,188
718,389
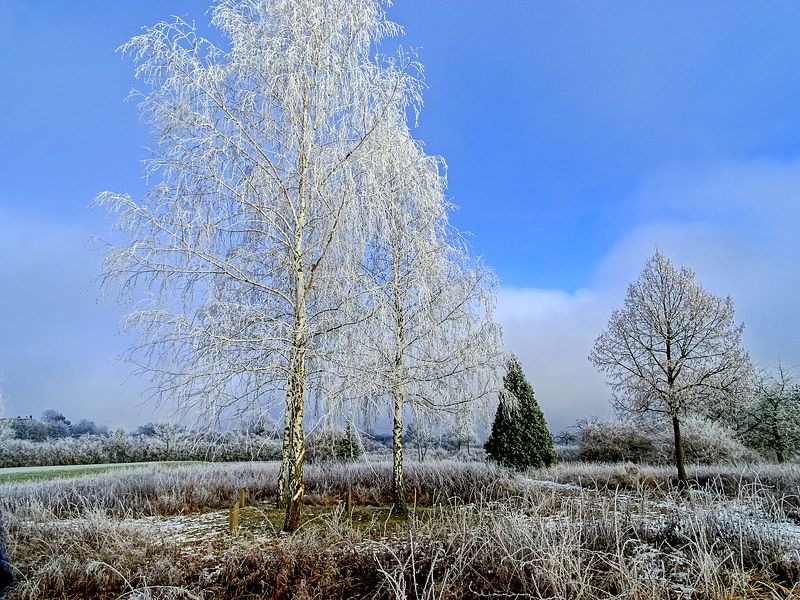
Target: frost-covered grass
x,y
156,489
781,482
575,531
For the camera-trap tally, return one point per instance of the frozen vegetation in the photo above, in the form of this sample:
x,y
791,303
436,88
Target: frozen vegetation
x,y
571,531
123,448
293,255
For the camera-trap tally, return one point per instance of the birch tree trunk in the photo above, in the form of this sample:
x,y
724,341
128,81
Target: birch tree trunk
x,y
398,491
297,371
296,487
280,496
295,393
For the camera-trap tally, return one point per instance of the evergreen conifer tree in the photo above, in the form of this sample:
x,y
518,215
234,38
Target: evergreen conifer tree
x,y
519,437
349,446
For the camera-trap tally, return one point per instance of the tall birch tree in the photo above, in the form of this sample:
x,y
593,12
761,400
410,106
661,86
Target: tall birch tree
x,y
246,253
673,350
431,344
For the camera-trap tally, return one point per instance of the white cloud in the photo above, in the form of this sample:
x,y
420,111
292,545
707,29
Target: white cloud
x,y
552,332
735,225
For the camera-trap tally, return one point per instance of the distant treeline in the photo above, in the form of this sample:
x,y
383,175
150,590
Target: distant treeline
x,y
54,440
121,447
52,425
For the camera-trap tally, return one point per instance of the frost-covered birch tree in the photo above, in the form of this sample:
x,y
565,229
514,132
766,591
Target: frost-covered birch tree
x,y
673,350
246,253
431,344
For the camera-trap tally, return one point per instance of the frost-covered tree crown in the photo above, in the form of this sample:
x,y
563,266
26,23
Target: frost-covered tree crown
x,y
673,348
771,423
268,158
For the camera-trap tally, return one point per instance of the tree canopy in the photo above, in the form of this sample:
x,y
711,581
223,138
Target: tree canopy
x,y
771,423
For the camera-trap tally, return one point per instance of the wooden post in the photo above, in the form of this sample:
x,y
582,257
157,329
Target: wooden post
x,y
233,520
240,503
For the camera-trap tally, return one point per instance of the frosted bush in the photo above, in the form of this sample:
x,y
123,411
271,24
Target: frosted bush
x,y
121,447
616,441
567,452
704,442
321,443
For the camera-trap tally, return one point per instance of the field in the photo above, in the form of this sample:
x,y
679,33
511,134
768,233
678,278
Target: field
x,y
37,473
574,531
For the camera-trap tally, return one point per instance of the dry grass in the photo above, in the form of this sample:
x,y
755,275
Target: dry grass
x,y
477,532
778,484
160,490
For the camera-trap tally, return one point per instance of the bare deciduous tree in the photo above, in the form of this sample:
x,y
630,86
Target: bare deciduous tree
x,y
673,350
251,241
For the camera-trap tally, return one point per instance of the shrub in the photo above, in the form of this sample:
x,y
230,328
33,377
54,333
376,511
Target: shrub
x,y
121,447
568,452
704,442
616,441
320,443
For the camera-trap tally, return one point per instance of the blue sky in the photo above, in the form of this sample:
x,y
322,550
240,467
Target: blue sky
x,y
579,136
